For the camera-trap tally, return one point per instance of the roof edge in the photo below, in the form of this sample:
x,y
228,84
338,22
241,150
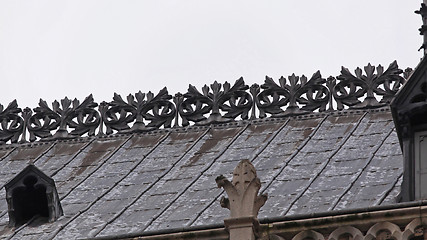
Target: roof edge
x,y
378,211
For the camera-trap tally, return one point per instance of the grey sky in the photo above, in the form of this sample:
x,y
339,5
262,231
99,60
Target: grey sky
x,y
53,49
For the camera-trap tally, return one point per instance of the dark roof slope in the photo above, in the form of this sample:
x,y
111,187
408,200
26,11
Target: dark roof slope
x,y
165,179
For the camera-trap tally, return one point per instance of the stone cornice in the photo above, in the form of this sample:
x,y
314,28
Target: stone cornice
x,y
400,223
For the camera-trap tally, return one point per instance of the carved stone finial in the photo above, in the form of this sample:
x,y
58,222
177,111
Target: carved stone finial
x,y
408,71
423,30
243,201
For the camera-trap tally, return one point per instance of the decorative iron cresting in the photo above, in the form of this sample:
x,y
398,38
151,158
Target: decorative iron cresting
x,y
156,110
216,103
311,94
11,122
64,115
221,106
363,90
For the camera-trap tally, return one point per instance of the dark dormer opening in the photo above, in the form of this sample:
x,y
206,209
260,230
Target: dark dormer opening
x,y
32,195
30,201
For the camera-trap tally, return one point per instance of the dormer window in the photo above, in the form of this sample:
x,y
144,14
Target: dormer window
x,y
32,195
420,145
409,110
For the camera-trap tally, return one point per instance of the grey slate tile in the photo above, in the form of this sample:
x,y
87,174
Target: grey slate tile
x,y
83,228
224,165
342,167
72,208
60,154
287,187
323,183
276,205
77,171
161,187
145,174
318,201
84,163
46,230
18,159
295,172
267,163
306,158
4,229
144,141
362,150
283,144
139,177
295,178
198,158
369,191
213,215
82,196
130,222
378,128
29,152
3,203
393,196
124,191
6,151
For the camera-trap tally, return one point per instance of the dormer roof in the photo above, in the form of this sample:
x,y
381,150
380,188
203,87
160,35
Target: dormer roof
x,y
17,181
411,100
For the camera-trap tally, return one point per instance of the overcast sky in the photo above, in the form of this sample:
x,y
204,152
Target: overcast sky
x,y
52,49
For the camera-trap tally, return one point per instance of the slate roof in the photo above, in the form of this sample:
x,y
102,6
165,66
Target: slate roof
x,y
164,179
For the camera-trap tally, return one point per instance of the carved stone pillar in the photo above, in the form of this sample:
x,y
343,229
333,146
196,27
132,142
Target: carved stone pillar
x,y
243,201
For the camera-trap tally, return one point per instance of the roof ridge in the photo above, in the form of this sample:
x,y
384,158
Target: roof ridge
x,y
214,104
240,122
